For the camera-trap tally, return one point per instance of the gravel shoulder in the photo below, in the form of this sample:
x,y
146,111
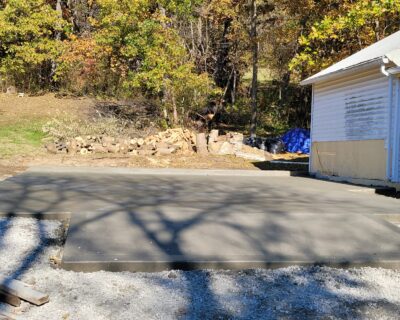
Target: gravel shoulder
x,y
26,246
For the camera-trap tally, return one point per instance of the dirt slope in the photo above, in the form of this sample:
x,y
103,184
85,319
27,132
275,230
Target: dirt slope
x,y
14,109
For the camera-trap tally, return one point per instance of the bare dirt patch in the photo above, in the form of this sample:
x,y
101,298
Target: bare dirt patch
x,y
14,109
169,161
21,145
9,171
22,119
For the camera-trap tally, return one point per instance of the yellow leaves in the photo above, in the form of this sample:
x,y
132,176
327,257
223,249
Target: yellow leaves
x,y
93,22
343,30
304,41
134,42
219,10
27,34
126,43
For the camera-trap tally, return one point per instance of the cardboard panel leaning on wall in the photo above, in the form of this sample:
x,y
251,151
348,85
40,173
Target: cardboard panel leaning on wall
x,y
364,159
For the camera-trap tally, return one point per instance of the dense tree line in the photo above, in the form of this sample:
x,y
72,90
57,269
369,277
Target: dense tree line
x,y
186,53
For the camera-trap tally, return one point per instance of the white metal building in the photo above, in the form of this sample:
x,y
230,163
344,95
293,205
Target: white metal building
x,y
355,127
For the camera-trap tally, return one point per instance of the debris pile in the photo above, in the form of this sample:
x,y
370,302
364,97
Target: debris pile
x,y
171,141
294,141
233,144
166,142
272,145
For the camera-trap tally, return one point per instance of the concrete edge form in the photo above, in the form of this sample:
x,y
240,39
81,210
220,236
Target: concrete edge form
x,y
163,171
159,266
392,219
357,181
37,215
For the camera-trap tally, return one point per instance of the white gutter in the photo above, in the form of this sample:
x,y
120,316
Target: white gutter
x,y
343,72
394,70
383,67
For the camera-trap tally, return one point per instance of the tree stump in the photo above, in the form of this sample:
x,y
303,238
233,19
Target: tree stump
x,y
213,136
201,144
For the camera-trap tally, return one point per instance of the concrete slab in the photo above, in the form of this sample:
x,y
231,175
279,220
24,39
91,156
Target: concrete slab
x,y
150,222
156,239
167,171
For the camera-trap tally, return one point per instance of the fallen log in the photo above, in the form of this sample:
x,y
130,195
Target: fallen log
x,y
84,151
165,151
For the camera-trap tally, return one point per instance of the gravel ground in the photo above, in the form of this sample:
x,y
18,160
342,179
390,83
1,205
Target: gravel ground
x,y
289,293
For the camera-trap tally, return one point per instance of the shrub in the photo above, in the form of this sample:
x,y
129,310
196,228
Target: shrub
x,y
67,127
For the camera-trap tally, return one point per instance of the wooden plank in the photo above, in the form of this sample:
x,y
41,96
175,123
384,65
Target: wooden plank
x,y
10,298
21,290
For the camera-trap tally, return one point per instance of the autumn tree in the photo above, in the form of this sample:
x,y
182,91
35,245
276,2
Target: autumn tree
x,y
27,42
344,30
182,53
133,48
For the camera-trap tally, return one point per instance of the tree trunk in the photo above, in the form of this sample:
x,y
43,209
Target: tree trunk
x,y
201,144
233,93
254,41
174,109
58,38
167,92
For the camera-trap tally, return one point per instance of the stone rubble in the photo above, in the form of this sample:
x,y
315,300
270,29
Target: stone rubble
x,y
171,141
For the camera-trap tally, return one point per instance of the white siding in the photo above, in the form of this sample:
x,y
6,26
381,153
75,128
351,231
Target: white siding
x,y
351,108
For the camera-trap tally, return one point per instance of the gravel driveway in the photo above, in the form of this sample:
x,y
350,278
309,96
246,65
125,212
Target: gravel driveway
x,y
289,293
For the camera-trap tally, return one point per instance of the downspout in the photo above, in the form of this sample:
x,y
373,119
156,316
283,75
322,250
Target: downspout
x,y
383,67
310,160
389,115
396,135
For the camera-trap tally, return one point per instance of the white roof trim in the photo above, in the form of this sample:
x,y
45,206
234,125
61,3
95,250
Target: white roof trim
x,y
388,47
394,56
361,67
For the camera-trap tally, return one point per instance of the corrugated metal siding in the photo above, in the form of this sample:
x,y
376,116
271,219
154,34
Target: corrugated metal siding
x,y
351,108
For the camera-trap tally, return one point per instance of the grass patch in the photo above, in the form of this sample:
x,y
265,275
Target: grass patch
x,y
264,75
23,138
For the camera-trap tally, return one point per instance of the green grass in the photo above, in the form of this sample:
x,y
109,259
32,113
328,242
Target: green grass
x,y
23,138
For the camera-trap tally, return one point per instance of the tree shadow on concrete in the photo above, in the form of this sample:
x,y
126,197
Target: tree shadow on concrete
x,y
43,241
110,195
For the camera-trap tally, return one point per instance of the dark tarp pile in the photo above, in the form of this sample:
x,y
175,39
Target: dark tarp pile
x,y
294,141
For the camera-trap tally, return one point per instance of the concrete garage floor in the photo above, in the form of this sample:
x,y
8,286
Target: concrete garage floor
x,y
151,220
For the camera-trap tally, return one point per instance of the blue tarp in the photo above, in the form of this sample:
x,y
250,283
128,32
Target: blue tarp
x,y
297,141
